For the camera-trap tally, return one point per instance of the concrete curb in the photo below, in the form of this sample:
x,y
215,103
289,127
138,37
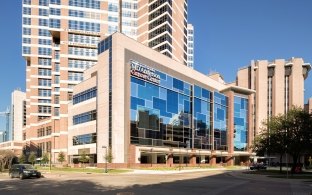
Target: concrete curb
x,y
139,171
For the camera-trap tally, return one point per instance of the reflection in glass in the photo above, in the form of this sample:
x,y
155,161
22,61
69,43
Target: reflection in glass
x,y
240,123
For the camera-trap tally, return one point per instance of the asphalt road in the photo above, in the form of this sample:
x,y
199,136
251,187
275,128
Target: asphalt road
x,y
203,182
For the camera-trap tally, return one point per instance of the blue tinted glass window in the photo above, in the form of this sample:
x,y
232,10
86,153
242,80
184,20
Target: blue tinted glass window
x,y
172,103
187,107
94,4
104,45
84,139
205,93
220,121
26,31
44,2
84,117
85,26
44,32
197,91
26,50
136,101
56,2
27,2
55,11
85,95
197,105
178,84
26,21
55,23
166,103
240,123
43,22
43,12
26,10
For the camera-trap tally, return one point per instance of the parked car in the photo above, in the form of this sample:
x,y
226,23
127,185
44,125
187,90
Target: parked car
x,y
23,171
258,166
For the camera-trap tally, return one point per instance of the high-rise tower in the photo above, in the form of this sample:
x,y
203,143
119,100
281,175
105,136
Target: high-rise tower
x,y
279,85
162,25
60,41
190,46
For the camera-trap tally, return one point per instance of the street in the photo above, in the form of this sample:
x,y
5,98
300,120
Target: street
x,y
200,182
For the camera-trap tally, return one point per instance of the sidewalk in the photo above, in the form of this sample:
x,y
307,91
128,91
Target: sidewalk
x,y
147,171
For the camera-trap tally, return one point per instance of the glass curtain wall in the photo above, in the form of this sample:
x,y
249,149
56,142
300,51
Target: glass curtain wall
x,y
202,118
160,112
162,108
240,123
220,121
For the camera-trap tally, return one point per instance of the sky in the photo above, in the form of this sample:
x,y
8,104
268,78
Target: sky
x,y
228,35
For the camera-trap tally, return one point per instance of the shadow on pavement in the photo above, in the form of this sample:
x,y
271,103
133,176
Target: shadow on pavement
x,y
136,184
47,186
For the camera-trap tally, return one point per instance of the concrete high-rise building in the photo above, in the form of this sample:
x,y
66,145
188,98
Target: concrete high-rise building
x,y
279,85
12,137
308,106
162,25
2,136
149,109
60,41
18,115
190,46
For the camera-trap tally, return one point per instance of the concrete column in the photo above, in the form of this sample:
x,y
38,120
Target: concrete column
x,y
154,158
250,131
230,124
229,160
192,159
181,159
213,160
169,160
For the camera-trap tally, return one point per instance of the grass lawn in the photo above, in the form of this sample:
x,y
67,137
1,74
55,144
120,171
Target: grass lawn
x,y
183,167
81,170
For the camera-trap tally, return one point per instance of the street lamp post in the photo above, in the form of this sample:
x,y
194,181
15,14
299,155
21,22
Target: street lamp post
x,y
286,164
187,158
105,158
50,159
179,156
199,157
151,157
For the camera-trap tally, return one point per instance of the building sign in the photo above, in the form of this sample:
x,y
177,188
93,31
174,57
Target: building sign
x,y
144,72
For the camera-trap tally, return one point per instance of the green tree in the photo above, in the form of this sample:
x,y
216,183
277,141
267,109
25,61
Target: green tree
x,y
45,158
84,158
289,133
109,155
22,159
61,157
6,158
32,158
298,125
271,138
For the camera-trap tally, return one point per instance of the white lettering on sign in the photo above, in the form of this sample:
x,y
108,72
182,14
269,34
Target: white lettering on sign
x,y
144,72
